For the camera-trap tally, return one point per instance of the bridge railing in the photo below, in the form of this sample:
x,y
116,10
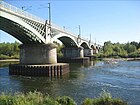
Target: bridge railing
x,y
62,30
19,12
67,32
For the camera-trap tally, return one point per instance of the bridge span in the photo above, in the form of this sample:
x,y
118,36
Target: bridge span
x,y
37,36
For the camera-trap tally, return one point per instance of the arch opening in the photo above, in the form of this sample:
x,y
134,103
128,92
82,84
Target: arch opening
x,y
67,41
85,45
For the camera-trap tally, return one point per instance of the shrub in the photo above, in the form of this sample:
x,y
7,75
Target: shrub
x,y
65,100
31,98
105,98
37,98
6,99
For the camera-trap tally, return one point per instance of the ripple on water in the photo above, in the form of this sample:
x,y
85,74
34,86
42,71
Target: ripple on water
x,y
121,79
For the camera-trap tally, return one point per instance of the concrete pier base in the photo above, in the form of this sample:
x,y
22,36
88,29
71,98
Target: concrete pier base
x,y
91,57
75,60
38,54
88,52
48,70
73,52
38,60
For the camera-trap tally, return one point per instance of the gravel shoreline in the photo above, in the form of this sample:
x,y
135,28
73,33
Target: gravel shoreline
x,y
118,59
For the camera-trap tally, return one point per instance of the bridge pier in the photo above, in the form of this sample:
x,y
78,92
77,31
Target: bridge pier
x,y
88,52
95,51
38,60
72,52
38,54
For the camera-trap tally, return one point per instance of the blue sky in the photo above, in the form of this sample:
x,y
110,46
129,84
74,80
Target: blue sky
x,y
117,21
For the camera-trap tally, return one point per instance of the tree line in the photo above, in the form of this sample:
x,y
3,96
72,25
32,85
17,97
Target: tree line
x,y
109,49
9,50
130,49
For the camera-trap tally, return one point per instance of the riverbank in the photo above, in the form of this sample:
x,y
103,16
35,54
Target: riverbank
x,y
104,59
131,59
120,59
9,60
38,98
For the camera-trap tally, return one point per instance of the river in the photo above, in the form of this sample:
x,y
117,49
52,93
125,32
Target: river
x,y
121,80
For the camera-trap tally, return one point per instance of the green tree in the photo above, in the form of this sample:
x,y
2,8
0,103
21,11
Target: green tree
x,y
138,45
59,49
16,48
134,43
122,50
107,48
129,48
9,49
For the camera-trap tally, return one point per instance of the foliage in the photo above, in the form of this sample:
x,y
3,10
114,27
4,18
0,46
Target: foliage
x,y
65,100
59,49
108,48
134,54
135,44
31,98
9,50
34,98
131,49
37,98
105,98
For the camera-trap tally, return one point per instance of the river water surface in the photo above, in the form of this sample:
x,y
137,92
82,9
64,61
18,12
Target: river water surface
x,y
121,80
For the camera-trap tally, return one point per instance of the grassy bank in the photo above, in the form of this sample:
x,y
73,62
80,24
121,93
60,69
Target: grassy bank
x,y
3,57
37,98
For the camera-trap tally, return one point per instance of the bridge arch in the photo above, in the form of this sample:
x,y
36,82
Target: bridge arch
x,y
68,41
16,27
93,47
85,45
